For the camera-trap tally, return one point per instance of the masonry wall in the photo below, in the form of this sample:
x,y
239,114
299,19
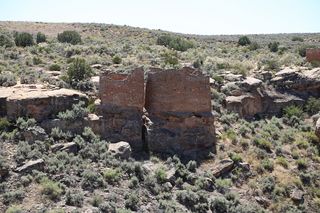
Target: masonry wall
x,y
313,54
185,90
126,90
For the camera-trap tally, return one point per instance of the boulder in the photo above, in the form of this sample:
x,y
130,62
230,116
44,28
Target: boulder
x,y
121,149
35,133
222,167
296,194
67,147
31,165
37,103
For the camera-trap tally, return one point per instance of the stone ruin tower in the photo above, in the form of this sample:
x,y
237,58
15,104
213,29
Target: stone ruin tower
x,y
172,112
313,54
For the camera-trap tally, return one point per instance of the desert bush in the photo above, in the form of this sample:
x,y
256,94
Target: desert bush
x,y
291,111
187,197
14,209
223,185
117,60
91,179
254,46
302,164
5,41
272,65
219,204
74,198
161,175
7,80
13,196
108,207
315,64
274,46
313,106
268,184
112,175
54,67
132,200
297,39
41,38
175,43
229,89
50,188
283,161
191,165
244,40
72,37
24,39
37,61
78,111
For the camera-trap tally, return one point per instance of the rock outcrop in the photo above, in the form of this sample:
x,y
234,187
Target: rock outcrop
x,y
35,102
317,129
256,97
31,165
120,149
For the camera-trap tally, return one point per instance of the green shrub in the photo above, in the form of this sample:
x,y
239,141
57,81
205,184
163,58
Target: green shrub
x,y
78,71
41,38
13,196
254,46
96,200
297,39
74,198
302,164
175,43
37,61
109,207
72,37
54,67
236,158
117,60
268,184
161,175
272,65
7,79
112,175
187,197
219,204
315,63
313,106
14,209
78,111
132,201
244,40
5,41
274,46
24,39
50,188
291,111
283,161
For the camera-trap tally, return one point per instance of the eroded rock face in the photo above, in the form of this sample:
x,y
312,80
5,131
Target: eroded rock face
x,y
258,98
222,167
38,103
31,165
120,149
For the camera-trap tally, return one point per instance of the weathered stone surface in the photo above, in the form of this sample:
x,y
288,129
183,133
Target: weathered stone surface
x,y
121,149
96,66
257,97
303,81
313,54
222,167
317,129
262,201
296,194
36,103
35,133
67,147
31,165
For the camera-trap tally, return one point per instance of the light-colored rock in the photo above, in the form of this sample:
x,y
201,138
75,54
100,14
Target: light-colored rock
x,y
67,147
121,149
31,165
296,194
38,103
222,167
35,133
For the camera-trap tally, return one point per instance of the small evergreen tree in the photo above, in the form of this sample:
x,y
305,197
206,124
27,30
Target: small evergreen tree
x,y
41,38
273,46
72,37
244,40
24,39
79,70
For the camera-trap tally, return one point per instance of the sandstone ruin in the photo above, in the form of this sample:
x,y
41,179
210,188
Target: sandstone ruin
x,y
313,54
